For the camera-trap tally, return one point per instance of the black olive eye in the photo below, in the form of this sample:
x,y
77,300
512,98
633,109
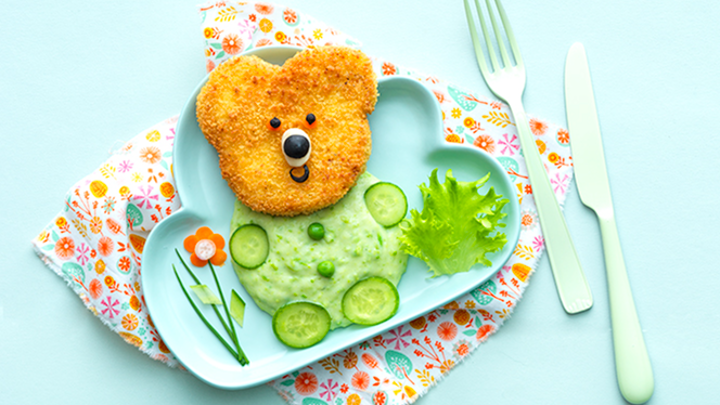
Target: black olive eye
x,y
310,118
275,122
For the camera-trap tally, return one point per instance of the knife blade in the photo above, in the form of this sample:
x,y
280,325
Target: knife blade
x,y
632,363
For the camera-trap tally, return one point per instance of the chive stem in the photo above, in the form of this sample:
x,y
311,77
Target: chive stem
x,y
205,321
229,318
197,281
240,355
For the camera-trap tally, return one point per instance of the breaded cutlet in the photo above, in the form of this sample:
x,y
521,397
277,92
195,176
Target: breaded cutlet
x,y
335,84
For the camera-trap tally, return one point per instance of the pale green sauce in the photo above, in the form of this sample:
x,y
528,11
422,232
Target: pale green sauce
x,y
357,245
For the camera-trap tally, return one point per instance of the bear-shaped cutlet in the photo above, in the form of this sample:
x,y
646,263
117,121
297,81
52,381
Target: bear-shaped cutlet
x,y
291,139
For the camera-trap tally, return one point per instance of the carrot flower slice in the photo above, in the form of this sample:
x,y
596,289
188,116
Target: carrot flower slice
x,y
190,243
218,240
196,261
219,258
205,234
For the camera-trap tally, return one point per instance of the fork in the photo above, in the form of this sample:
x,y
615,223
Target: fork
x,y
507,82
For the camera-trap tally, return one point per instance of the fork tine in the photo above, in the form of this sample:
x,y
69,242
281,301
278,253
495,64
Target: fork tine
x,y
488,40
476,41
509,32
498,37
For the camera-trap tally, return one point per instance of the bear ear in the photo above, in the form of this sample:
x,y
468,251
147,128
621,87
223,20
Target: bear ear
x,y
334,74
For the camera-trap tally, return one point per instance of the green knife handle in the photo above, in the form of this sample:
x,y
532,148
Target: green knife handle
x,y
570,280
634,373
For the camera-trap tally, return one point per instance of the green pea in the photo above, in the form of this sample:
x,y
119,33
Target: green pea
x,y
326,268
316,231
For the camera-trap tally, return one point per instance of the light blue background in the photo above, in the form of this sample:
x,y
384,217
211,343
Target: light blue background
x,y
78,76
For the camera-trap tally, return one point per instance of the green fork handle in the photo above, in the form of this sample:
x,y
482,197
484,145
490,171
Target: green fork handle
x,y
632,364
570,280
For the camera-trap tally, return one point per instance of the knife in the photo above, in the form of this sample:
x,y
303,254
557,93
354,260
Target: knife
x,y
632,364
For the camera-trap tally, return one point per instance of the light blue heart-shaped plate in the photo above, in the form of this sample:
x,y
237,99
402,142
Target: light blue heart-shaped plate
x,y
407,138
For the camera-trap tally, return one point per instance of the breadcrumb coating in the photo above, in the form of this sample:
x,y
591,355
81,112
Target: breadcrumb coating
x,y
242,95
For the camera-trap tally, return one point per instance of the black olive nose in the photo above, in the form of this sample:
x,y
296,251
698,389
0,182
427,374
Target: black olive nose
x,y
296,146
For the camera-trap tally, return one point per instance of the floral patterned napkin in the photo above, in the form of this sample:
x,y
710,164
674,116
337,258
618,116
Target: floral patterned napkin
x,y
96,241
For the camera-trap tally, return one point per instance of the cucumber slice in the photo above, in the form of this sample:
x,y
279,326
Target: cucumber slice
x,y
237,308
387,203
301,324
371,301
205,294
249,246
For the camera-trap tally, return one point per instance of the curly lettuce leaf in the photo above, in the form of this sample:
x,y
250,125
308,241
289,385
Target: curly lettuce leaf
x,y
457,226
